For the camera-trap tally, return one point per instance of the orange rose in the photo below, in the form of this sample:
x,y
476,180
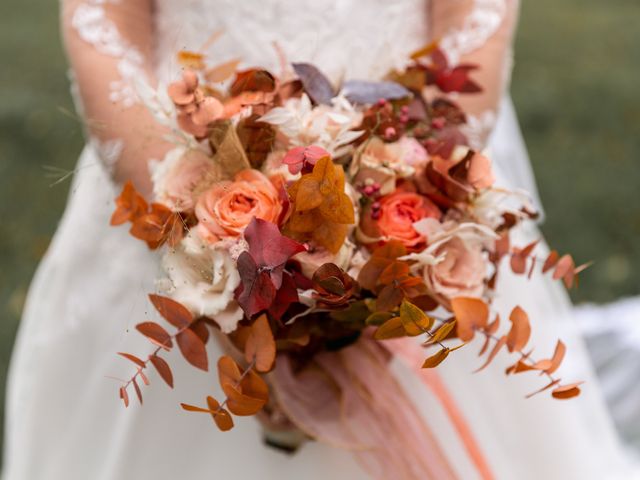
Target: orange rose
x,y
226,209
399,211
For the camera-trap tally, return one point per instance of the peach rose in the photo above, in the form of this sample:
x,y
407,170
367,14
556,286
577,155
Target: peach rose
x,y
226,209
399,211
181,176
454,262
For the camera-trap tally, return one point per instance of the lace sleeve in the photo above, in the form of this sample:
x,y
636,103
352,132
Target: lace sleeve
x,y
109,44
480,32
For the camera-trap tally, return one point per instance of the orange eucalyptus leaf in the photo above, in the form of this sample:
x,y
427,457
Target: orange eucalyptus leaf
x,y
201,330
520,330
496,348
188,59
156,334
129,205
389,298
173,312
470,313
144,378
492,328
133,358
518,263
563,267
241,404
485,346
564,392
436,359
558,356
162,367
414,320
551,261
124,396
193,349
193,408
392,328
394,271
136,387
551,384
222,72
443,332
261,345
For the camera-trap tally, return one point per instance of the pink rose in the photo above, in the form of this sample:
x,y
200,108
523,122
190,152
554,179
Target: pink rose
x,y
227,208
454,262
181,176
399,211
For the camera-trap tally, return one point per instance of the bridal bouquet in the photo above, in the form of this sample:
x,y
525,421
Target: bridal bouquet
x,y
298,218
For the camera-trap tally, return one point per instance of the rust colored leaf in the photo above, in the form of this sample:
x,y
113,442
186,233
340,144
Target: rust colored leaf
x,y
220,416
520,330
261,345
156,334
564,266
253,80
137,389
193,349
518,263
394,271
485,346
228,370
470,313
392,328
414,320
436,359
162,367
193,408
389,298
496,348
551,261
241,404
144,378
201,330
133,358
129,205
564,392
173,312
222,72
124,396
492,328
558,356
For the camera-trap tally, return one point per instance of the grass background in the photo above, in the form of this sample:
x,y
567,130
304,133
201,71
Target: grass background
x,y
575,85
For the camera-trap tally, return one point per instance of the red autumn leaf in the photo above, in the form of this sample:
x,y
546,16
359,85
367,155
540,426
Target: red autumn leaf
x,y
129,205
303,157
173,312
133,358
193,349
257,291
471,313
285,296
564,392
389,298
394,271
563,267
520,330
162,367
201,330
156,334
260,345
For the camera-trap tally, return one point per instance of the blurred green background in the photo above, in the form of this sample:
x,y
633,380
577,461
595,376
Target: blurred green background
x,y
575,86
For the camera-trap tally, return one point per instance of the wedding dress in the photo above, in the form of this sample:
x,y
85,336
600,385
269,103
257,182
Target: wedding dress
x,y
64,418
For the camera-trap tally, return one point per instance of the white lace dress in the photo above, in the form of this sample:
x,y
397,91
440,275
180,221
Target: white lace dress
x,y
64,418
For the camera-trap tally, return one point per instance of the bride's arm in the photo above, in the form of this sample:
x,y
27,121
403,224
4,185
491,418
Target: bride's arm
x,y
480,32
108,44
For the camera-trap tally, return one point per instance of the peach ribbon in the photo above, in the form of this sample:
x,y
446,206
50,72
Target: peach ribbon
x,y
350,399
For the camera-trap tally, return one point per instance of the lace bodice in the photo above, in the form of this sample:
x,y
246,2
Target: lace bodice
x,y
346,39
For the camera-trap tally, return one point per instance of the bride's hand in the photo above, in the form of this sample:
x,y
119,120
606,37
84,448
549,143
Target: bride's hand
x,y
108,43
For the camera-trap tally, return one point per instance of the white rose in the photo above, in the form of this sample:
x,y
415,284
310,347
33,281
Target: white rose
x,y
203,278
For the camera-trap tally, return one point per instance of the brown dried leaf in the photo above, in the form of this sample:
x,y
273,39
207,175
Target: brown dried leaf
x,y
442,332
261,345
414,320
156,334
520,330
548,386
173,312
389,298
470,313
133,358
188,59
193,349
392,328
162,367
144,378
436,359
492,328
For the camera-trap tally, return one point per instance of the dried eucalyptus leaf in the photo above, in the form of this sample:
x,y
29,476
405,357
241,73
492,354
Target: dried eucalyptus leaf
x,y
365,92
317,86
